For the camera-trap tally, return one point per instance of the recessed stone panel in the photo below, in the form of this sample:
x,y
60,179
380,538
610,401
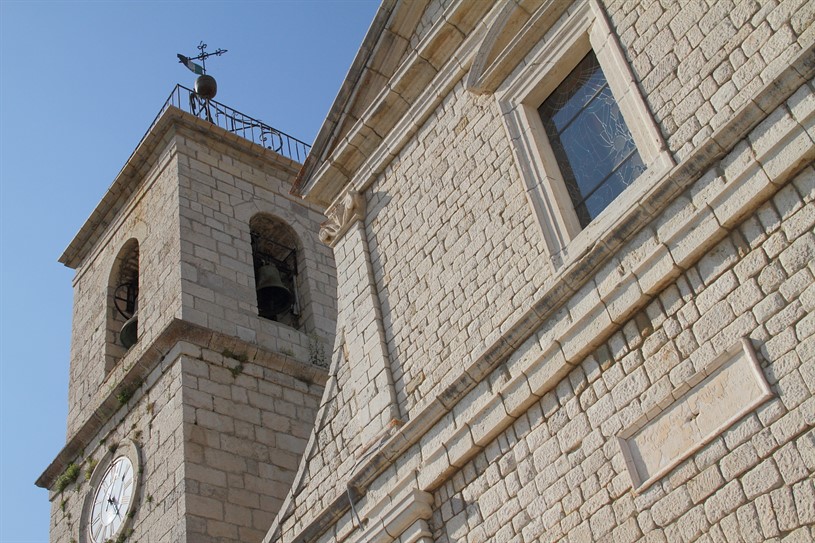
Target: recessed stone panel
x,y
710,402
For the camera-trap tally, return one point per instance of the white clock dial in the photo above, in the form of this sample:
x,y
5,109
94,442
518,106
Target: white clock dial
x,y
112,500
110,504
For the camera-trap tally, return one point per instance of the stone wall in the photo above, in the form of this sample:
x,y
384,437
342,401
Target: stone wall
x,y
454,249
219,401
223,184
190,214
153,418
246,423
558,473
220,439
514,378
150,216
698,62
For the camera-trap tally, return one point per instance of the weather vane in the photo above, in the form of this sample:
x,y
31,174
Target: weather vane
x,y
205,86
199,69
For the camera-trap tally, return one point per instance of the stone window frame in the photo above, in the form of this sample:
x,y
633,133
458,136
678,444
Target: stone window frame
x,y
293,317
127,262
584,28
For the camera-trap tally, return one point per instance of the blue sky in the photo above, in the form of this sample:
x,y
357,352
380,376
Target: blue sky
x,y
80,83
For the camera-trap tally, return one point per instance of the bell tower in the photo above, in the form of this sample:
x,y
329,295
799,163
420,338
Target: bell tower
x,y
204,311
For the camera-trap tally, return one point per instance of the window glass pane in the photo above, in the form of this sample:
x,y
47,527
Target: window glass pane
x,y
592,144
574,93
597,201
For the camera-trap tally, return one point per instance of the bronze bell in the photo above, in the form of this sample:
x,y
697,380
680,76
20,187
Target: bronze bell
x,y
129,334
273,296
206,87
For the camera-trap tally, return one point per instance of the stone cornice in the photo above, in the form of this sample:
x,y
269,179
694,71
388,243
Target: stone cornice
x,y
422,80
140,361
324,141
539,371
139,163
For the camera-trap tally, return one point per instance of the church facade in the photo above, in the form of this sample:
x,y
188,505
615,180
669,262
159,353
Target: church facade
x,y
532,346
563,291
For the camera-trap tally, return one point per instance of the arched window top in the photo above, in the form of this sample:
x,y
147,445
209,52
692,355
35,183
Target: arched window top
x,y
270,227
126,267
274,253
123,301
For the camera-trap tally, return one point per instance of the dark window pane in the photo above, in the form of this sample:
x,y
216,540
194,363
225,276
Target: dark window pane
x,y
591,142
598,200
573,93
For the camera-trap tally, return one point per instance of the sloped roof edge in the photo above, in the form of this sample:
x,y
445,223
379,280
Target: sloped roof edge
x,y
327,134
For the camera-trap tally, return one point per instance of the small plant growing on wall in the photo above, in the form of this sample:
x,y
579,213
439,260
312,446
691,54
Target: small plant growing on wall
x,y
67,478
240,357
237,370
124,395
316,351
89,468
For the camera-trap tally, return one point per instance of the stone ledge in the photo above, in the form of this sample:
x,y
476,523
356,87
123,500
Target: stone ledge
x,y
137,365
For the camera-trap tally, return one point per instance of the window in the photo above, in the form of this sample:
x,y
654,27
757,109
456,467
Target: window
x,y
274,255
594,149
582,133
122,304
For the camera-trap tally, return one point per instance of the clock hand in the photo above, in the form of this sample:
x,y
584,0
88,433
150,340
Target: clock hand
x,y
112,501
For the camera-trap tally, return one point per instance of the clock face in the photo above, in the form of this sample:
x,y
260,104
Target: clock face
x,y
112,500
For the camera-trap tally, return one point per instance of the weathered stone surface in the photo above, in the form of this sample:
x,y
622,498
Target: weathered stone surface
x,y
491,353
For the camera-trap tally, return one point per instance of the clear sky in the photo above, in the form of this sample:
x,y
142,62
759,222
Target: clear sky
x,y
80,83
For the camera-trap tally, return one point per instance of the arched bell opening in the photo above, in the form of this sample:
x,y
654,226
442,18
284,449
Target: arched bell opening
x,y
122,330
275,259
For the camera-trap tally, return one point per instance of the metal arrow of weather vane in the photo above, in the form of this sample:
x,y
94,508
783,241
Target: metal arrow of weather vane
x,y
199,69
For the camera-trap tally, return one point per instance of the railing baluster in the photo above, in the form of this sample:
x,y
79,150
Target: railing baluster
x,y
241,124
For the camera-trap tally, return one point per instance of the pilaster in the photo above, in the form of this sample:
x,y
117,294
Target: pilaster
x,y
359,307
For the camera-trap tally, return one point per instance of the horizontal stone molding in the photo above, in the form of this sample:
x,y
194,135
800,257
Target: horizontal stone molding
x,y
177,338
395,513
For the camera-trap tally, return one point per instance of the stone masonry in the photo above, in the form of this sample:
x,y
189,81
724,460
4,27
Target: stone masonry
x,y
556,472
483,378
495,373
217,401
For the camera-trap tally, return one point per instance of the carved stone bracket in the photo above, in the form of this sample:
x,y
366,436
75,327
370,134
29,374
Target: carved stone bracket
x,y
341,216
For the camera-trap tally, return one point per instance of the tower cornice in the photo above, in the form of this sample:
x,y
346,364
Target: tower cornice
x,y
147,154
177,338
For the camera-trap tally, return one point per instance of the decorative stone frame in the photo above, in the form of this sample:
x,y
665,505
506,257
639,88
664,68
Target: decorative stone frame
x,y
692,415
126,448
584,28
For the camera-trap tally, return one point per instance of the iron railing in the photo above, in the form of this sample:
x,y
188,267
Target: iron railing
x,y
236,122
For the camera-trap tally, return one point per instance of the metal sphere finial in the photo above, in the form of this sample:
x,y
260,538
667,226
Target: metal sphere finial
x,y
206,87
